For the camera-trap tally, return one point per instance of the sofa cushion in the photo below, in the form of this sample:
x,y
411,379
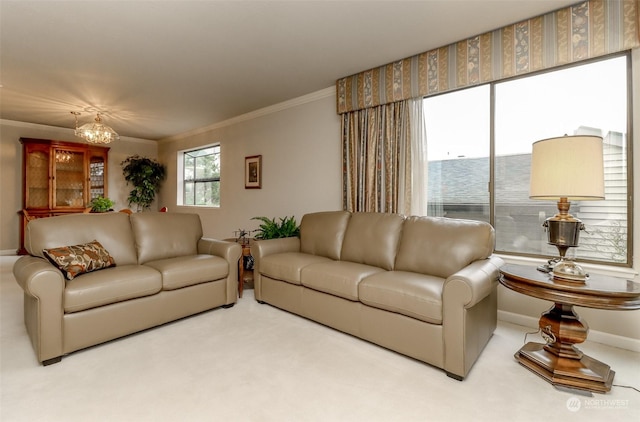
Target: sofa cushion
x,y
79,259
288,266
321,233
111,229
186,271
414,295
442,246
372,238
161,235
115,284
339,278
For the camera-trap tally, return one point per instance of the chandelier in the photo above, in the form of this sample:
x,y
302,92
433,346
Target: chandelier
x,y
95,132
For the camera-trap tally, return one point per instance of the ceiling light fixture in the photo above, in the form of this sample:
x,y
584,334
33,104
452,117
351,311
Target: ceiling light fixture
x,y
95,132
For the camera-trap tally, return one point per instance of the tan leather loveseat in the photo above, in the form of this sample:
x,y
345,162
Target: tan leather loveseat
x,y
424,287
164,270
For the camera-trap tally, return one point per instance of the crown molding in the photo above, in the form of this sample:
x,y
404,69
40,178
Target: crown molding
x,y
295,102
37,126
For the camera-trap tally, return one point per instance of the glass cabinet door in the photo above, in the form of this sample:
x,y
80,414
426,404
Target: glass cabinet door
x,y
37,177
97,176
69,178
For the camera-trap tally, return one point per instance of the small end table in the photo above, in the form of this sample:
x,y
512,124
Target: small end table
x,y
246,251
559,361
242,273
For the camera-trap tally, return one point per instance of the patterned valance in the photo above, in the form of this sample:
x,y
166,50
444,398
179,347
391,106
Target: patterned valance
x,y
590,29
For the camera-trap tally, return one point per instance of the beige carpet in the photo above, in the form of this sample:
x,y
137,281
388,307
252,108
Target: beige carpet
x,y
257,363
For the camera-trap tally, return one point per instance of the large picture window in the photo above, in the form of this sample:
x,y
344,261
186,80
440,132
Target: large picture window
x,y
201,177
482,137
458,153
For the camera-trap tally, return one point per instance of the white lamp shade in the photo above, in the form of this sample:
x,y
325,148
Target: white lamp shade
x,y
567,167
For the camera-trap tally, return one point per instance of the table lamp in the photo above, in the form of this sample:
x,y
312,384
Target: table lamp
x,y
567,168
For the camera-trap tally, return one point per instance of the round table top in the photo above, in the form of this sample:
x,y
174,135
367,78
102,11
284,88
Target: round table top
x,y
598,291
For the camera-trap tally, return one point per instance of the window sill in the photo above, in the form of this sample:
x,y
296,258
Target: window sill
x,y
198,207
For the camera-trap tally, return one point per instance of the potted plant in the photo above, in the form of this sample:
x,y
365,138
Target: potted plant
x,y
146,176
272,229
101,204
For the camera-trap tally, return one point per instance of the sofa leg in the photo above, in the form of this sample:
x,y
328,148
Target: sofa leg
x,y
262,302
51,361
229,305
455,376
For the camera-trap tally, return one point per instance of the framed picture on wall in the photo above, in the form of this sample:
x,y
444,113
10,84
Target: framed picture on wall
x,y
253,172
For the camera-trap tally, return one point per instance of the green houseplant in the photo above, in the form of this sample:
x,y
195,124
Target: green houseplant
x,y
101,204
146,176
274,229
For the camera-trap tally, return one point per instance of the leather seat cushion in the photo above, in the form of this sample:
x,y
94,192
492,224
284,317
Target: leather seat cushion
x,y
339,278
288,266
186,271
322,233
111,285
442,246
164,235
372,239
414,295
111,229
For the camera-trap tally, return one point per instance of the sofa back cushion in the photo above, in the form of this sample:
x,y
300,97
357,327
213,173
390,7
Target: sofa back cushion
x,y
322,233
112,230
442,246
161,235
372,238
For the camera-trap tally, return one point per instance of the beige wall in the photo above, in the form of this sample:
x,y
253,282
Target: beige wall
x,y
301,164
11,171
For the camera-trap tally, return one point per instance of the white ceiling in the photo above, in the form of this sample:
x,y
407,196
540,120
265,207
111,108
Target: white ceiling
x,y
162,68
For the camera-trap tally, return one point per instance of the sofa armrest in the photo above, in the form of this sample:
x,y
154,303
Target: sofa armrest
x,y
472,283
43,286
262,248
229,251
469,309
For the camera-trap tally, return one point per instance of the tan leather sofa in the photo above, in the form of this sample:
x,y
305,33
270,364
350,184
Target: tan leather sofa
x,y
424,287
165,270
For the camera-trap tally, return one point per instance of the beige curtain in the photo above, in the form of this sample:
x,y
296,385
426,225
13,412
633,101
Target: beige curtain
x,y
376,145
418,180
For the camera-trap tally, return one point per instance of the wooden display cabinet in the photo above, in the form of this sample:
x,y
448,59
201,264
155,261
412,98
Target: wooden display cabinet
x,y
59,178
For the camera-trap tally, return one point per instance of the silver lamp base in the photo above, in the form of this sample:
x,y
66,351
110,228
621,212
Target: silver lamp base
x,y
570,271
564,232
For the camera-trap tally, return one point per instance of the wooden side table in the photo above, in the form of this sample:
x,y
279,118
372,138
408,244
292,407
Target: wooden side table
x,y
246,251
559,361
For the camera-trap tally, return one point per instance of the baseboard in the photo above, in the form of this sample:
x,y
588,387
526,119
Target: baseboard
x,y
6,252
595,336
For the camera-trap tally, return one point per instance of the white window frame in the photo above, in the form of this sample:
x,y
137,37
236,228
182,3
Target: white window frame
x,y
182,180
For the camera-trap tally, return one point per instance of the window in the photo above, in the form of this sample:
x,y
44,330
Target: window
x,y
485,134
201,177
458,154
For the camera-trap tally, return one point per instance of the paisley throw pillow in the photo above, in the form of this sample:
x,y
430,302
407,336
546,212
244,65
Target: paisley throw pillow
x,y
79,259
